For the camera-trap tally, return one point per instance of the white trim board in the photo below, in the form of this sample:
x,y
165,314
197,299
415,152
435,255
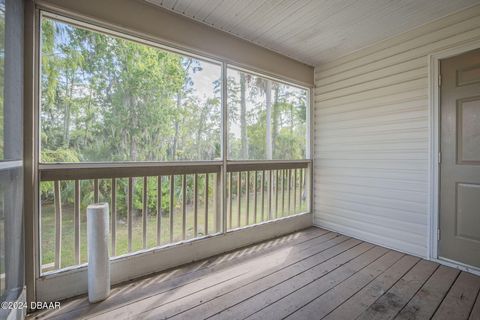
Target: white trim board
x,y
385,242
434,146
457,265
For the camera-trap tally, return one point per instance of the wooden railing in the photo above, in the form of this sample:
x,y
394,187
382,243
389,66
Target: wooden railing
x,y
156,204
263,191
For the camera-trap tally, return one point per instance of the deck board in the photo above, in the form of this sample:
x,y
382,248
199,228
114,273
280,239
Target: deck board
x,y
360,301
323,304
389,304
313,273
322,263
429,297
200,298
475,314
460,299
259,271
131,292
288,294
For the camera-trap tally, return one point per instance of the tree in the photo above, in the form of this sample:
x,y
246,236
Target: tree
x,y
268,103
243,118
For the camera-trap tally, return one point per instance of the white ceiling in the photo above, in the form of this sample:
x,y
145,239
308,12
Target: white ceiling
x,y
314,31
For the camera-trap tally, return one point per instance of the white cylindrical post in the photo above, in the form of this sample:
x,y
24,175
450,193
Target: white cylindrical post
x,y
98,258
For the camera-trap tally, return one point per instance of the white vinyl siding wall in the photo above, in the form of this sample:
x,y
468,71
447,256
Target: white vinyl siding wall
x,y
371,135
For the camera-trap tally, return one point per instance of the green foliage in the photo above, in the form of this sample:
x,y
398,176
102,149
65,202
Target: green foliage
x,y
111,99
59,155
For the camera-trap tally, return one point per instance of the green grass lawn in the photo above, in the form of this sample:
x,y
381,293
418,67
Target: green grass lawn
x,y
67,238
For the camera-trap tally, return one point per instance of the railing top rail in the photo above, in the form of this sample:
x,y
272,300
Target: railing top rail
x,y
80,171
251,165
77,171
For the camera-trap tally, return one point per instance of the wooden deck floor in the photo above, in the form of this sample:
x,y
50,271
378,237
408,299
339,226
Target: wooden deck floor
x,y
312,274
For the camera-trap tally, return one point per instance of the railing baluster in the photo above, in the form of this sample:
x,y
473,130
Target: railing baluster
x,y
276,192
294,190
58,225
270,194
283,191
308,186
95,190
114,216
77,221
230,196
172,199
184,206
144,213
263,195
289,209
206,203
255,198
159,210
239,197
300,186
195,205
248,199
130,213
218,201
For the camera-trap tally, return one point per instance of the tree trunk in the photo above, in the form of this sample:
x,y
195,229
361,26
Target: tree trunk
x,y
133,142
276,117
243,119
175,137
291,118
133,149
268,102
67,110
203,118
66,125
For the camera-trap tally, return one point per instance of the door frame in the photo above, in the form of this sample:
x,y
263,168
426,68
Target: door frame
x,y
434,148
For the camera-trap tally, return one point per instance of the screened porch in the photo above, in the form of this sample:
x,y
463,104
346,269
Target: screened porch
x,y
267,159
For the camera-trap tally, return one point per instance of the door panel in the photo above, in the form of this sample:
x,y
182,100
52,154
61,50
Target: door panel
x,y
468,130
460,167
467,76
466,215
